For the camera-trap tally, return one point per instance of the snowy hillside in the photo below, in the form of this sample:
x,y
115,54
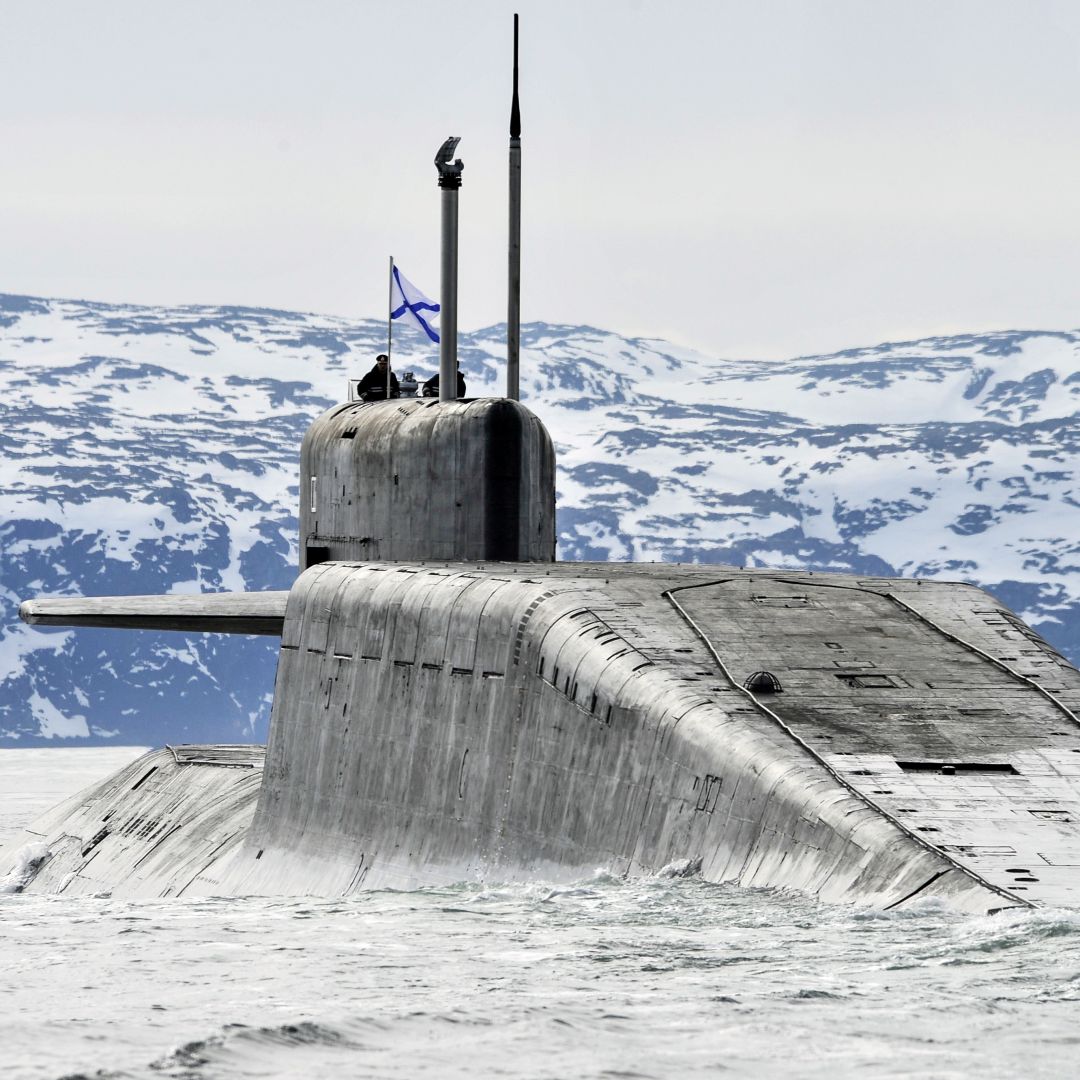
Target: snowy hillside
x,y
155,450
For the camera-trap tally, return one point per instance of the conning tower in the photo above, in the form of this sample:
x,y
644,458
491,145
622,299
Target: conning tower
x,y
416,480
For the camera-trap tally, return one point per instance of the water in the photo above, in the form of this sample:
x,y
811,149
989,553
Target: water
x,y
653,978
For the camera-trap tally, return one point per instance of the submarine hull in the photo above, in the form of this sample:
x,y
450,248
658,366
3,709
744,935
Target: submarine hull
x,y
465,721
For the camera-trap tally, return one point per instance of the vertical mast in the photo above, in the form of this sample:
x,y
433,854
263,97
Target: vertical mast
x,y
449,184
513,303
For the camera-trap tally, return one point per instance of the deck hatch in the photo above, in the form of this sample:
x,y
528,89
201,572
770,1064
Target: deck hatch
x,y
1061,857
317,553
954,767
708,790
781,601
868,680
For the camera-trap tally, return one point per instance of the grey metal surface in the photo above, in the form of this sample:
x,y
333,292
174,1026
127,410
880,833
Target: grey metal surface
x,y
222,613
507,720
431,724
449,185
648,636
969,738
415,480
513,291
448,298
151,828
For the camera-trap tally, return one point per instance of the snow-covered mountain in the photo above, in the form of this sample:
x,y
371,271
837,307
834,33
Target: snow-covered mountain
x,y
152,450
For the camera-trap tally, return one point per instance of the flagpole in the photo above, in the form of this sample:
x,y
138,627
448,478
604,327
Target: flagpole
x,y
389,322
513,303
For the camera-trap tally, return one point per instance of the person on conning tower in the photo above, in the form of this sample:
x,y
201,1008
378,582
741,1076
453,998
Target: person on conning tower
x,y
431,387
372,387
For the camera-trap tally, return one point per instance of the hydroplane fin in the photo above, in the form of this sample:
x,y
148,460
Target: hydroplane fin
x,y
214,613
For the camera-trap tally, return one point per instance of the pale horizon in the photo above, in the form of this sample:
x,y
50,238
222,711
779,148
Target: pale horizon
x,y
745,180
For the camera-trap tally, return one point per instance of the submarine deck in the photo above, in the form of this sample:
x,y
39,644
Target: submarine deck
x,y
944,724
930,700
941,708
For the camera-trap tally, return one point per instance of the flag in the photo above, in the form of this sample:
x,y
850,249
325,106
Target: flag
x,y
407,301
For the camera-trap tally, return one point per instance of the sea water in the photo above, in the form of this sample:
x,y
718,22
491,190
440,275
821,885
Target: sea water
x,y
609,978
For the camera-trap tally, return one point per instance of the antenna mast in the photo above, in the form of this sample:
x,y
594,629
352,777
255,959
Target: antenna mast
x,y
449,185
513,304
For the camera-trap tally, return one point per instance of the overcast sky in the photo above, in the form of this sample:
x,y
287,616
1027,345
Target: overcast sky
x,y
752,178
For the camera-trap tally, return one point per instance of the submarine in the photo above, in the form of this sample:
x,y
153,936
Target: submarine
x,y
453,704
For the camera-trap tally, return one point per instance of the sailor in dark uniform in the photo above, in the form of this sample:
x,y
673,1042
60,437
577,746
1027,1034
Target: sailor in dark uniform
x,y
431,387
372,387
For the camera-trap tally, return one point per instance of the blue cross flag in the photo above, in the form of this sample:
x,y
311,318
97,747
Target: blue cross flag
x,y
406,300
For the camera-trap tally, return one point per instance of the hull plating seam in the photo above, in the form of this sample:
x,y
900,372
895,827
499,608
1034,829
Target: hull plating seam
x,y
1032,683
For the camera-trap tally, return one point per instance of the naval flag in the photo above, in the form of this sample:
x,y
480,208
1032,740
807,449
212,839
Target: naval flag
x,y
407,301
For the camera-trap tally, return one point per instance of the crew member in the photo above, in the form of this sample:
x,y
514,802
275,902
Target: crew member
x,y
372,387
431,387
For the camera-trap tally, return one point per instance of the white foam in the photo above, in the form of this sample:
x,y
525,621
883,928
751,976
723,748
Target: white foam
x,y
24,863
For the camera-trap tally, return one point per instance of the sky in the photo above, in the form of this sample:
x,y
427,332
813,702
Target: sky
x,y
752,178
